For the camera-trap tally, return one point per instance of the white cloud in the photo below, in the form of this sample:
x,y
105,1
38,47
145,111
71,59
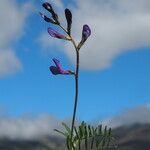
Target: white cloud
x,y
48,43
138,114
57,3
28,127
12,22
9,63
117,26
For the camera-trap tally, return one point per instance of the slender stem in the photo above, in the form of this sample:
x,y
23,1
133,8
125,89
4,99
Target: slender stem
x,y
76,80
76,92
63,28
79,145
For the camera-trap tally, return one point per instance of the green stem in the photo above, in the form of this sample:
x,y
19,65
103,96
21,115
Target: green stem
x,y
76,92
79,145
76,80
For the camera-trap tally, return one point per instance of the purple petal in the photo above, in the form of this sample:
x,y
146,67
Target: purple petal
x,y
54,70
55,34
58,66
86,32
58,69
57,63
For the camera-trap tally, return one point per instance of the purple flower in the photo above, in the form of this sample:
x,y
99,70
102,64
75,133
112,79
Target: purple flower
x,y
58,68
56,34
48,7
86,32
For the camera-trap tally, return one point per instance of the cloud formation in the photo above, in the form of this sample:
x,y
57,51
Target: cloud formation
x,y
12,18
9,63
28,128
138,114
117,26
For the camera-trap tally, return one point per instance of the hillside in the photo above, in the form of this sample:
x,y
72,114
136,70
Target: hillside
x,y
134,137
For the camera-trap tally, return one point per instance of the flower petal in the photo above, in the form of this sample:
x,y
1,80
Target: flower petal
x,y
86,32
57,63
58,69
54,70
55,34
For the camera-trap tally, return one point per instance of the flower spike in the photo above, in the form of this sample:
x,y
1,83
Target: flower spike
x,y
58,69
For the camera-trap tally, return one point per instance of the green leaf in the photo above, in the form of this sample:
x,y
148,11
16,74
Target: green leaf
x,y
99,129
89,131
78,138
60,132
67,128
86,136
105,131
80,132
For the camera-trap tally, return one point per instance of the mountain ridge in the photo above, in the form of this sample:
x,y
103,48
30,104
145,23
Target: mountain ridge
x,y
131,137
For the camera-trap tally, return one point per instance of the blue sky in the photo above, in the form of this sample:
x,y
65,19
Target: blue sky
x,y
114,73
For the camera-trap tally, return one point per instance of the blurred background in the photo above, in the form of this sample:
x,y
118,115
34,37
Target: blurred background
x,y
114,86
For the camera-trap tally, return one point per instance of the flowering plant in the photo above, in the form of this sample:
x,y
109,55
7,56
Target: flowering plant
x,y
83,136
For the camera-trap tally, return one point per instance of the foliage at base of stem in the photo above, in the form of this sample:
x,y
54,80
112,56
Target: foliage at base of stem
x,y
87,137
